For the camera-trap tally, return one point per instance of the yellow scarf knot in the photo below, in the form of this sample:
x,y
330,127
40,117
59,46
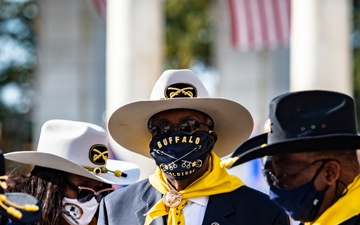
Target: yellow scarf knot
x,y
214,181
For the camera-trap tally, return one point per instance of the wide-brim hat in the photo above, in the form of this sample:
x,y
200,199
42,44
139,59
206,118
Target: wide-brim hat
x,y
17,201
305,121
79,148
180,89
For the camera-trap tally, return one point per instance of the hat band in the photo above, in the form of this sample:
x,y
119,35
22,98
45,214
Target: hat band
x,y
102,169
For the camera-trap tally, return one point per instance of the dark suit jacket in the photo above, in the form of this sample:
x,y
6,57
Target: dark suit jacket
x,y
352,221
244,206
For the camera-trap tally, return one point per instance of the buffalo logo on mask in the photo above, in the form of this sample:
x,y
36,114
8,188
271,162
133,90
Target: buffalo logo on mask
x,y
98,154
180,90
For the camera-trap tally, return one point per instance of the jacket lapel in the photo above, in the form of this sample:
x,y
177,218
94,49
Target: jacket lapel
x,y
149,198
217,210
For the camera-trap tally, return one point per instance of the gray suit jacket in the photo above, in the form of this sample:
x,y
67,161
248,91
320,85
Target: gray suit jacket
x,y
244,206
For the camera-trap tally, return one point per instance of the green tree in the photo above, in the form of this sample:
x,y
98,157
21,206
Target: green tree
x,y
17,65
189,32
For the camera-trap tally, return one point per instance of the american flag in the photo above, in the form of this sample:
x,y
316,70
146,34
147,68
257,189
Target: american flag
x,y
259,24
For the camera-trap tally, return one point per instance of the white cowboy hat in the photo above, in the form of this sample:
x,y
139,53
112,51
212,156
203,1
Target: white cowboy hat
x,y
79,148
128,125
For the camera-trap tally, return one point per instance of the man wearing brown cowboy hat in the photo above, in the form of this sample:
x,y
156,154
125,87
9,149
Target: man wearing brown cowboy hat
x,y
311,164
181,123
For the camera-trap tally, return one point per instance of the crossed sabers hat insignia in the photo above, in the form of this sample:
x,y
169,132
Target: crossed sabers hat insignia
x,y
101,155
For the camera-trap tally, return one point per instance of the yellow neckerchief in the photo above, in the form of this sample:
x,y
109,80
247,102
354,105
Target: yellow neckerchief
x,y
215,180
344,208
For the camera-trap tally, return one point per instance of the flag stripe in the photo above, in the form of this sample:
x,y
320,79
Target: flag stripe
x,y
259,24
257,34
277,26
285,19
262,15
270,21
234,23
249,22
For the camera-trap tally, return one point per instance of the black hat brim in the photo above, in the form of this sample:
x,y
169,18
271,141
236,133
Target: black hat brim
x,y
257,146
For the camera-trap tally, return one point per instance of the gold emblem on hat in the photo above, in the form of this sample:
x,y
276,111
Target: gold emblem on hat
x,y
98,154
172,198
180,90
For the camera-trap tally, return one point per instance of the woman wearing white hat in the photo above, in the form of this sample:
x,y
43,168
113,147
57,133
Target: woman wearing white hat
x,y
72,172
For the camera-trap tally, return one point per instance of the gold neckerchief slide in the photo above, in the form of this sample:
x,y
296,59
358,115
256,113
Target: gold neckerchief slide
x,y
214,181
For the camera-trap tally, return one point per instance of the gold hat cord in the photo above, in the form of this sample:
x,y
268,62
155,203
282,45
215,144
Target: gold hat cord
x,y
99,170
12,209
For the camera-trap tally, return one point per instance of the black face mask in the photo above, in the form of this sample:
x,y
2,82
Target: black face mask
x,y
302,203
181,154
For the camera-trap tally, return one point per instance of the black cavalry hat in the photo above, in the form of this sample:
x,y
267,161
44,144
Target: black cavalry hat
x,y
15,207
305,121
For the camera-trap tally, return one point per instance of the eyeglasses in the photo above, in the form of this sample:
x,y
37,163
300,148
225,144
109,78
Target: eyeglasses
x,y
188,126
85,194
272,180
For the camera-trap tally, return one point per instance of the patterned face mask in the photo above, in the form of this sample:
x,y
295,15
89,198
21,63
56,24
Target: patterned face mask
x,y
79,213
180,154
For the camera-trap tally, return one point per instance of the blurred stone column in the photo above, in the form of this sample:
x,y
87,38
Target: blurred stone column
x,y
70,77
320,45
134,60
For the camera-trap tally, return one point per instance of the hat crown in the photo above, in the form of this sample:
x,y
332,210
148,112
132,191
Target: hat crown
x,y
78,148
178,84
79,142
309,114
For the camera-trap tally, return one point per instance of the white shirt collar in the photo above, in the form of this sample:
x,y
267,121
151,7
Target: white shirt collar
x,y
202,200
